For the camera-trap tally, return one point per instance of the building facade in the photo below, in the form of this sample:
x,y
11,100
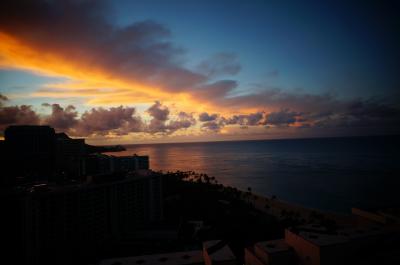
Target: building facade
x,y
62,223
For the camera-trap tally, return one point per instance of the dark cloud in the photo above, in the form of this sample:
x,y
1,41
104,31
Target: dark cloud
x,y
215,91
207,117
183,121
62,119
316,110
322,112
220,64
117,120
98,121
352,117
216,123
212,126
275,99
160,122
78,31
372,109
158,111
281,118
251,119
362,116
15,115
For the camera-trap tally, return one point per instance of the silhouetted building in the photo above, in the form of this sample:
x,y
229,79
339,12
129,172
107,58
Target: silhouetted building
x,y
97,164
389,216
273,252
30,152
217,252
70,160
65,205
37,154
314,244
131,163
6,180
59,224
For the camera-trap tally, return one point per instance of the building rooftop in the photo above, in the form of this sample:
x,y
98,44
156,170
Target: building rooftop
x,y
218,250
320,236
273,246
323,239
361,232
177,258
313,227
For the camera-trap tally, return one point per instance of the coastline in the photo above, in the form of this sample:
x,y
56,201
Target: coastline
x,y
282,209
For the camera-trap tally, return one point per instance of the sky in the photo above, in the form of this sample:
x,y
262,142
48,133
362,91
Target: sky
x,y
119,72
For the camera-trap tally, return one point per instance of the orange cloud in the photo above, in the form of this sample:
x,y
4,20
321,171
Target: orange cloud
x,y
15,54
98,86
107,64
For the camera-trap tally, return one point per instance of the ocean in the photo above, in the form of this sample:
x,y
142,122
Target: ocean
x,y
332,174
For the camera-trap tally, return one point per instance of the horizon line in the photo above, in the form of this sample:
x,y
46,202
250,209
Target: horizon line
x,y
255,140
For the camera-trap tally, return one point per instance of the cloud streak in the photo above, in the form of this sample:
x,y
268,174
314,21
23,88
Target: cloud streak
x,y
74,39
220,64
353,116
281,118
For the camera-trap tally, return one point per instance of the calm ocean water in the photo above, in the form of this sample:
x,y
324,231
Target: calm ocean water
x,y
331,174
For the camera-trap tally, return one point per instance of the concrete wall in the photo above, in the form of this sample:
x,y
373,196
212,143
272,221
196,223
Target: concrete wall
x,y
251,259
306,252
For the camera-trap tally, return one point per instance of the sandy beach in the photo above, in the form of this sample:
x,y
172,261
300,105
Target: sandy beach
x,y
282,209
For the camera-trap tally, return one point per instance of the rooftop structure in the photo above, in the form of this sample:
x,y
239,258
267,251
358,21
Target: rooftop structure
x,y
269,252
218,252
383,216
272,246
315,244
77,219
39,154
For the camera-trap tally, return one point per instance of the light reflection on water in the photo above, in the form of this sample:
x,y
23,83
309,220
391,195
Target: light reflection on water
x,y
331,174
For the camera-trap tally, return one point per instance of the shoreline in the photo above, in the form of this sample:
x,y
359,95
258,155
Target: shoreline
x,y
276,207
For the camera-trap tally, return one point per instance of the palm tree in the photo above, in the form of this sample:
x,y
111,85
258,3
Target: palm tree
x,y
248,194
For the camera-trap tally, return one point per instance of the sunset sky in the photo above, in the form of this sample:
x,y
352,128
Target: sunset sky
x,y
118,72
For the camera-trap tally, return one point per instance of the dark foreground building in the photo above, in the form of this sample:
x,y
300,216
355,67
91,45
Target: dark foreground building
x,y
70,224
62,205
30,153
38,153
